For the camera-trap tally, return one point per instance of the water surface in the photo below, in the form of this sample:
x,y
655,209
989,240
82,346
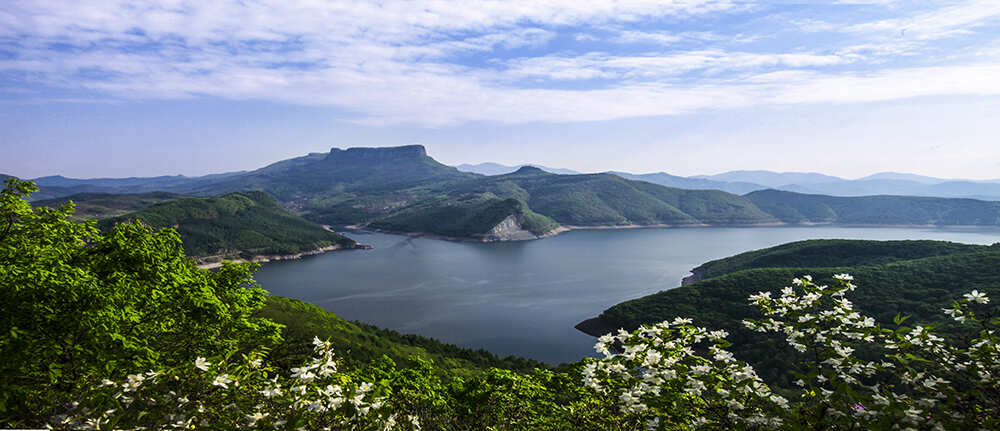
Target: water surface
x,y
524,298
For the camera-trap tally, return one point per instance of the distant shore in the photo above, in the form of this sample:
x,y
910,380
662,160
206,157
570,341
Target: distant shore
x,y
567,228
264,258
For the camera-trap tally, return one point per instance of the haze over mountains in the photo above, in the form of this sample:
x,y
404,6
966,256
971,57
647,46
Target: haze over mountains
x,y
742,182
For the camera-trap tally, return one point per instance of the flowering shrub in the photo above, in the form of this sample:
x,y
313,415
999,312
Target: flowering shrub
x,y
855,374
660,375
244,394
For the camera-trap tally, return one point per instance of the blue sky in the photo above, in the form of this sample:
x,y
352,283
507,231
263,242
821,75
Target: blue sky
x,y
849,88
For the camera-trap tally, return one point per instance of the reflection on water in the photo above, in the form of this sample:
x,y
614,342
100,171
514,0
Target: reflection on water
x,y
523,298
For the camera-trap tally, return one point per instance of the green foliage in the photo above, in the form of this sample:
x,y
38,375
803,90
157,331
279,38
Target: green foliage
x,y
920,287
358,343
237,224
78,304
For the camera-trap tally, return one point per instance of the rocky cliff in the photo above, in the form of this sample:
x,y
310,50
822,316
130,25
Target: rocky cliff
x,y
509,229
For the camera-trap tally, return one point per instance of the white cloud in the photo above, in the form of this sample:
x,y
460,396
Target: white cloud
x,y
937,23
395,62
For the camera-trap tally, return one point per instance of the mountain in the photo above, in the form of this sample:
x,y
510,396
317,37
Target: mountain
x,y
792,207
904,177
490,168
771,179
535,201
319,176
243,225
103,205
402,189
693,183
909,277
883,183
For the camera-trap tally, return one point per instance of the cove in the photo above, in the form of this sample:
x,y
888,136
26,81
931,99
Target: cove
x,y
523,298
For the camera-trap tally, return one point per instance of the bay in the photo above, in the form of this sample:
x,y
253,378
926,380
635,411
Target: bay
x,y
523,298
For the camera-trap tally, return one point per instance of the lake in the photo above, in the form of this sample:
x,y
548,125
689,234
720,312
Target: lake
x,y
523,298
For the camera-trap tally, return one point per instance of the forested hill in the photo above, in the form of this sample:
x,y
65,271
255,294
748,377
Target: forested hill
x,y
792,207
237,224
909,277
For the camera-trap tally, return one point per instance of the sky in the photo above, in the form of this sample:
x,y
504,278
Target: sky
x,y
108,88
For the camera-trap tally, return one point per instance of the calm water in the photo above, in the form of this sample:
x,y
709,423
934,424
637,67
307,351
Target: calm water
x,y
524,298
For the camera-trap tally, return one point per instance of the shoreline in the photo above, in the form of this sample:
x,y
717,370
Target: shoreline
x,y
265,258
568,228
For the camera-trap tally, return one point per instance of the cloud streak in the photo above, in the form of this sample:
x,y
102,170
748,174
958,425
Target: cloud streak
x,y
436,64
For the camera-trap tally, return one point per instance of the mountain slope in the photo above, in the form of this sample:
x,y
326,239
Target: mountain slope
x,y
792,207
238,224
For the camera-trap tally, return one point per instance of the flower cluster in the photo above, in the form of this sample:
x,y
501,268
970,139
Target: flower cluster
x,y
856,374
677,373
247,394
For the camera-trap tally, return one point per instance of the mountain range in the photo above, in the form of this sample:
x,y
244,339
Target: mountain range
x,y
742,182
402,189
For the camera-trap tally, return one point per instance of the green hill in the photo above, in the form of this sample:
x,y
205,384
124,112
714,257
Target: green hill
x,y
103,205
892,277
832,253
237,225
792,207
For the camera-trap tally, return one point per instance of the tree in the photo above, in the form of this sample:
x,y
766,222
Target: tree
x,y
78,305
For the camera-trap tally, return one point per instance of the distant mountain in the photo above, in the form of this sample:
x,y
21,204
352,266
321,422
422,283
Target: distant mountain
x,y
903,176
236,225
665,179
884,183
949,189
58,186
103,205
490,168
771,179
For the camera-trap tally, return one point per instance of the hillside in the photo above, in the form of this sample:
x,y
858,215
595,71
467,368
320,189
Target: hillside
x,y
237,225
792,207
103,205
892,278
360,343
830,253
